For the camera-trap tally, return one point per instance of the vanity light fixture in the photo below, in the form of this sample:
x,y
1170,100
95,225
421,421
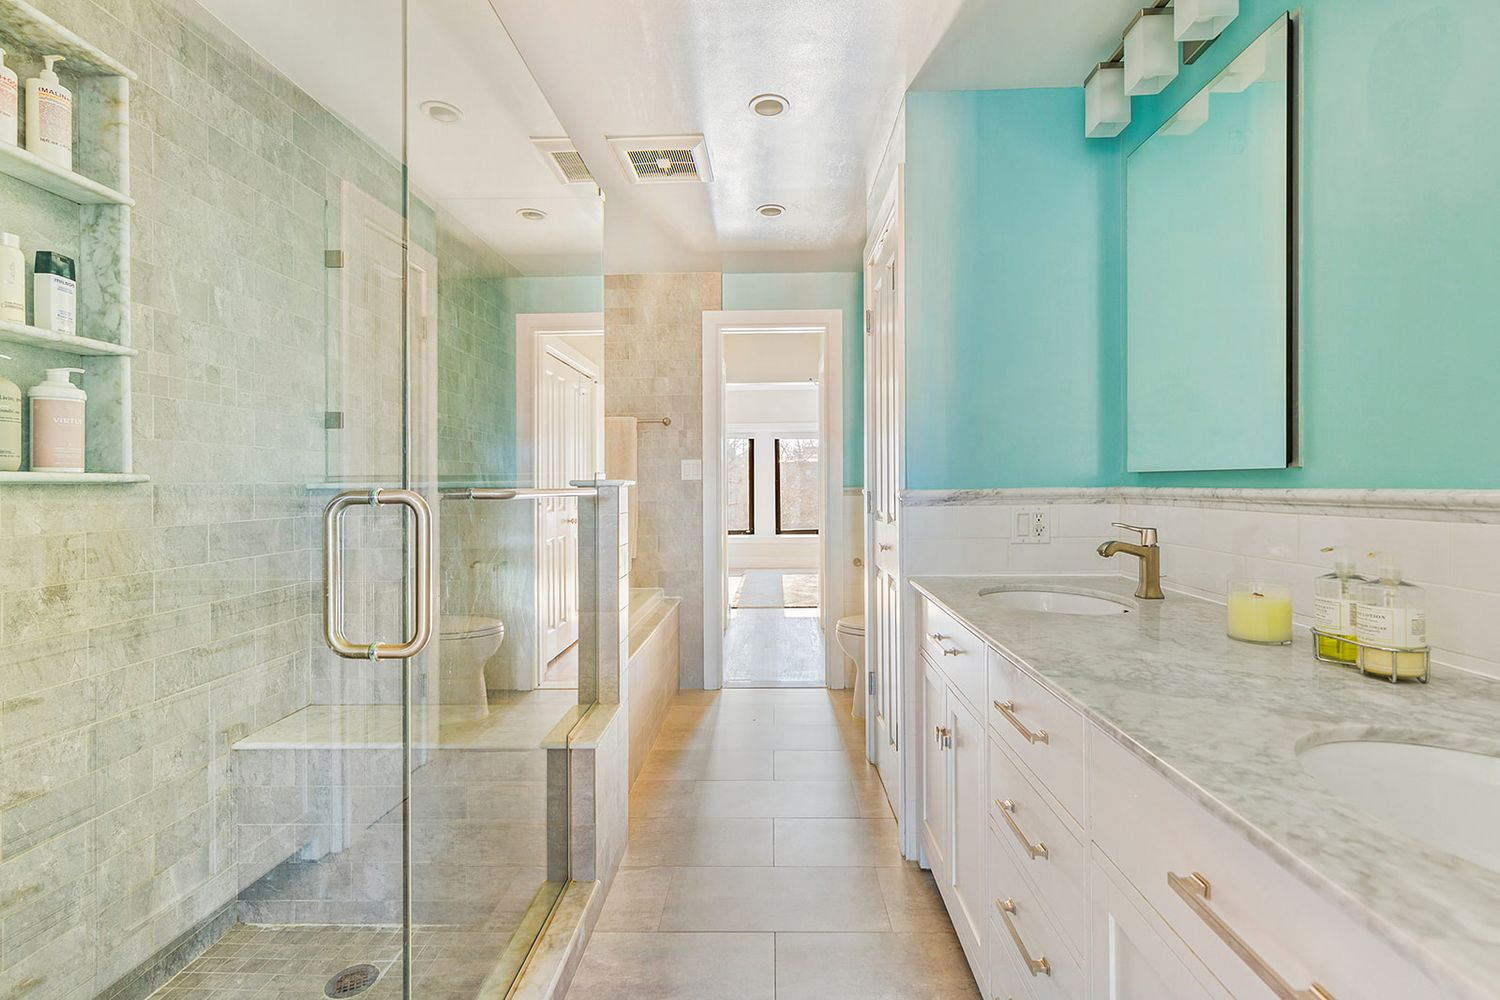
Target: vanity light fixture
x,y
771,210
1202,20
1191,117
1106,108
441,112
769,105
531,214
1150,52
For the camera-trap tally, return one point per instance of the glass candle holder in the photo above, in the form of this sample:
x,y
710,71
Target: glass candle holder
x,y
1260,612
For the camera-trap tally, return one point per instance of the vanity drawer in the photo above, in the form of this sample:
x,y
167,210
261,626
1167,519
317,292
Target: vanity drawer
x,y
1150,830
1042,845
955,650
1035,938
1043,733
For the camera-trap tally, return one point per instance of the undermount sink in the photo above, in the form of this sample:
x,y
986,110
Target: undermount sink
x,y
1054,601
1447,798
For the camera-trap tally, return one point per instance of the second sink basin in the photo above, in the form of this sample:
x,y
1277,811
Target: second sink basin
x,y
1054,601
1448,798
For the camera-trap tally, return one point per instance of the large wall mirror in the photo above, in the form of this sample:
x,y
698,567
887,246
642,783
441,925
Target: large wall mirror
x,y
1211,353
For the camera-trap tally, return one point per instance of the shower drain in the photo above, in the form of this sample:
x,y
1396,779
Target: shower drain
x,y
351,981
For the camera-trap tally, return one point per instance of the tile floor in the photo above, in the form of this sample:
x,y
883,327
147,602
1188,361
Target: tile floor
x,y
763,864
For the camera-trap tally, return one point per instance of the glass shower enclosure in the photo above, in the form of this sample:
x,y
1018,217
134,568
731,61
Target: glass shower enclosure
x,y
281,709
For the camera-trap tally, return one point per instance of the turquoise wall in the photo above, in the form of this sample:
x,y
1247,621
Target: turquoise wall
x,y
820,290
1015,324
1012,251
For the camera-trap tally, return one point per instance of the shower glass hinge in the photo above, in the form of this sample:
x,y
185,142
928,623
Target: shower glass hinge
x,y
869,320
333,258
871,678
333,420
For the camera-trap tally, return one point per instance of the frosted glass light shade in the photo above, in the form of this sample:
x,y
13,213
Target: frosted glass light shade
x,y
1201,20
1106,109
1191,117
1150,52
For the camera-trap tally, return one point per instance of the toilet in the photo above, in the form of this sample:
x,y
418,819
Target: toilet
x,y
466,644
851,636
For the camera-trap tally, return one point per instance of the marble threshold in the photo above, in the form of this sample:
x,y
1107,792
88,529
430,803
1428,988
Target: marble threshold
x,y
1223,721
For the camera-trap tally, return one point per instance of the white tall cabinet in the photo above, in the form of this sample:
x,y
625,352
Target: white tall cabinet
x,y
885,346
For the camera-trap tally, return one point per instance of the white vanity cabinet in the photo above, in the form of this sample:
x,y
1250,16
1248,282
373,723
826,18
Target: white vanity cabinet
x,y
953,806
1072,868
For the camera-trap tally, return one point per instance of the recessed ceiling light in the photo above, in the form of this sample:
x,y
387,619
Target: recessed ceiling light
x,y
772,211
769,105
441,111
531,214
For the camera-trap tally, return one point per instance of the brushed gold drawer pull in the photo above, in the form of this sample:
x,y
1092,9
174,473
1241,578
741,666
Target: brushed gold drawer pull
x,y
1196,891
1034,851
1036,966
1007,708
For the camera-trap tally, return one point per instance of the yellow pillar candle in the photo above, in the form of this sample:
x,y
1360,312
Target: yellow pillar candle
x,y
1260,612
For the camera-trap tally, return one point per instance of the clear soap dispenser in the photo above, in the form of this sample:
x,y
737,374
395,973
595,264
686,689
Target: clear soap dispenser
x,y
1334,602
1391,624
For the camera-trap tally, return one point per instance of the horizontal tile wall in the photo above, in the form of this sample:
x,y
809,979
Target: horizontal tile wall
x,y
1458,563
1206,541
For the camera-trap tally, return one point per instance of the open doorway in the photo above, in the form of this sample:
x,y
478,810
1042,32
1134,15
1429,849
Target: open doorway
x,y
773,498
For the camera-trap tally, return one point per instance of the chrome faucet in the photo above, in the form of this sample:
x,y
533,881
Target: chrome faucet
x,y
1148,585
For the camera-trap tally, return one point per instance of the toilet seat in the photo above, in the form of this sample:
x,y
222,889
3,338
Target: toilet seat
x,y
469,627
853,625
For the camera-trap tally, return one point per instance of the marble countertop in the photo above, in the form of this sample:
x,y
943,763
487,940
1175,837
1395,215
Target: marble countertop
x,y
1223,720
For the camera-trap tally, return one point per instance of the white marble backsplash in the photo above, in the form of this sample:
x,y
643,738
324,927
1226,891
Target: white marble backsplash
x,y
1448,541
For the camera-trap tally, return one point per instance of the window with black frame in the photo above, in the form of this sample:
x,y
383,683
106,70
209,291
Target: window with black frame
x,y
739,502
797,486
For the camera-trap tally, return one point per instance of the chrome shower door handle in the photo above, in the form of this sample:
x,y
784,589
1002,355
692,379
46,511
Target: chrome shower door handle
x,y
333,575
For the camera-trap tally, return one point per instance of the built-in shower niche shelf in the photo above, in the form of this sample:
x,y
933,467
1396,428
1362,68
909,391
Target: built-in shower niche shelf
x,y
64,478
35,336
32,169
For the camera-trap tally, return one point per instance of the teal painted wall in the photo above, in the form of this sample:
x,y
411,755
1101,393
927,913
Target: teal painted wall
x,y
1015,323
1012,250
1400,215
820,290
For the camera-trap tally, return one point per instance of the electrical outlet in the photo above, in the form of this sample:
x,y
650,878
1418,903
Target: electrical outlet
x,y
692,470
1034,525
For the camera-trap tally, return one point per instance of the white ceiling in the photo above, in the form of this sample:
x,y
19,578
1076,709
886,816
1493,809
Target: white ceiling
x,y
476,171
644,67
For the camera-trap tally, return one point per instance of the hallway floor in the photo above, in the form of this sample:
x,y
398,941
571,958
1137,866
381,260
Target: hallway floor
x,y
763,864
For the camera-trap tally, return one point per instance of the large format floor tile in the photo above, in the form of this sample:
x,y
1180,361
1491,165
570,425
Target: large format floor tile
x,y
763,862
837,843
779,899
677,967
872,967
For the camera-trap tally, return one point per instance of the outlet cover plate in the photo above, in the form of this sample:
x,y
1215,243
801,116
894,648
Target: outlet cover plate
x,y
692,470
1033,525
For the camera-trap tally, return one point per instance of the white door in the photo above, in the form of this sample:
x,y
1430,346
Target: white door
x,y
567,446
883,429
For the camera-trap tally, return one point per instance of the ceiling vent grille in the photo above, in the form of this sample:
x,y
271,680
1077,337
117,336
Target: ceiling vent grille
x,y
664,159
565,161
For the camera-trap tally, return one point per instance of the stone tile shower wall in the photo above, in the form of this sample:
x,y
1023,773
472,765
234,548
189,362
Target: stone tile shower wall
x,y
653,367
146,628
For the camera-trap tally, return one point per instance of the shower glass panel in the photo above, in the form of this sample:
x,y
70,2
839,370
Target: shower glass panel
x,y
330,289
